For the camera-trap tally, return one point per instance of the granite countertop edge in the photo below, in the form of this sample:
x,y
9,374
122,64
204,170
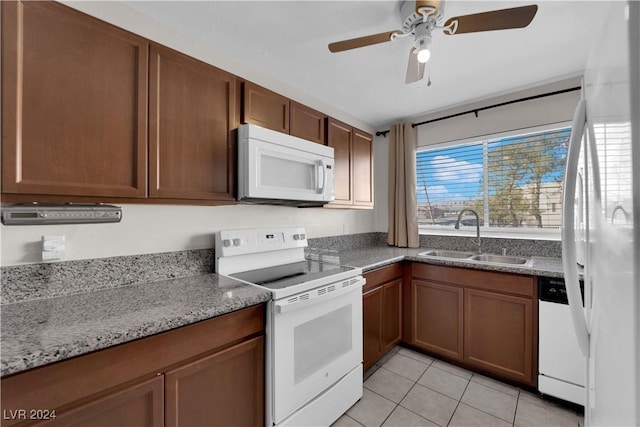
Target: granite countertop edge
x,y
39,332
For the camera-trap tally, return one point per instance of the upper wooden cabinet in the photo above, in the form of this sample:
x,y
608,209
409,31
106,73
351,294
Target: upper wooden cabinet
x,y
340,137
353,175
270,110
193,113
307,123
362,168
74,104
93,113
265,108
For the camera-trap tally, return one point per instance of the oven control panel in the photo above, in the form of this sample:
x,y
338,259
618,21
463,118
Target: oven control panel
x,y
249,241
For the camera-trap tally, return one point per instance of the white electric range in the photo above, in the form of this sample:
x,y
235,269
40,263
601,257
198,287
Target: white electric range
x,y
314,323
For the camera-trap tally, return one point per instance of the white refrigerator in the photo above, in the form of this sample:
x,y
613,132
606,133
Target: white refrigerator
x,y
601,220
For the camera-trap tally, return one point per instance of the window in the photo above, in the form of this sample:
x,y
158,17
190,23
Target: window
x,y
512,182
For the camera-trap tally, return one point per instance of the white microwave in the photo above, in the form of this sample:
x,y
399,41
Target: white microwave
x,y
275,168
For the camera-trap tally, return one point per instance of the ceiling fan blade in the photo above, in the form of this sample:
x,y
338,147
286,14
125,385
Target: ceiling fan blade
x,y
415,69
362,41
503,19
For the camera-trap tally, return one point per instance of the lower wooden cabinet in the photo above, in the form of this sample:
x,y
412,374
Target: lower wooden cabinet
x,y
208,373
140,404
236,399
437,318
486,321
498,334
382,312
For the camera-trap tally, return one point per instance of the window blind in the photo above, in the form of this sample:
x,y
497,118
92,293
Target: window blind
x,y
512,182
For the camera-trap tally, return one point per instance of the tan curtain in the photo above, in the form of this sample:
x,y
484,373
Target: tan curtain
x,y
403,210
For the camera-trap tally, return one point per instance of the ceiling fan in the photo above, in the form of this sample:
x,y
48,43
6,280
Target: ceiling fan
x,y
420,18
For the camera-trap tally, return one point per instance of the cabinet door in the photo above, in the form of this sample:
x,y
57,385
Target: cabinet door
x,y
265,108
391,314
138,405
193,115
362,169
307,123
372,327
340,136
74,104
498,331
437,317
222,389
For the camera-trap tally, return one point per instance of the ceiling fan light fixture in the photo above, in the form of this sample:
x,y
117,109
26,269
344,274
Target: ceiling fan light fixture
x,y
423,55
421,47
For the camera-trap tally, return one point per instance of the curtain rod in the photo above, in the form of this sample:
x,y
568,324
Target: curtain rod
x,y
476,110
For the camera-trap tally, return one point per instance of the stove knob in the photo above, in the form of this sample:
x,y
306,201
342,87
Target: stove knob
x,y
296,237
302,236
237,242
226,243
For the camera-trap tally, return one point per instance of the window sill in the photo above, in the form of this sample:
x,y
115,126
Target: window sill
x,y
552,235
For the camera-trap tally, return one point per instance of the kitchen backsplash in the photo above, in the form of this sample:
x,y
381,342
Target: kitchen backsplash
x,y
516,247
349,241
49,280
493,245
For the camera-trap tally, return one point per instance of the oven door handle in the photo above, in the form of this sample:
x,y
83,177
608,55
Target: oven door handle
x,y
318,295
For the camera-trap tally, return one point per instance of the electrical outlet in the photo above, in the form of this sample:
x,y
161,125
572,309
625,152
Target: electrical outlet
x,y
53,248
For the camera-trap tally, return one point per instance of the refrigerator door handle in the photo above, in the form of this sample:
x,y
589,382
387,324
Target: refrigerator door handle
x,y
569,259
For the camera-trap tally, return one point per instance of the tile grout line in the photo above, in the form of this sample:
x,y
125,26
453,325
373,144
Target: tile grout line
x,y
515,413
459,401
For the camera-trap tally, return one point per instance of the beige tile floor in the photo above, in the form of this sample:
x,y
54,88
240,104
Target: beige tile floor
x,y
407,388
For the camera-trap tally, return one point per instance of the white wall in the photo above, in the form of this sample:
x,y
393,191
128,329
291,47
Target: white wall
x,y
521,115
381,179
152,228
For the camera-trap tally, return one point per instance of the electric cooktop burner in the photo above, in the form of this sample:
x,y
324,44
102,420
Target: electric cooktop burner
x,y
288,275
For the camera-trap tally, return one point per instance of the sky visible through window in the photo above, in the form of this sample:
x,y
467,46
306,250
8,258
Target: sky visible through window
x,y
521,178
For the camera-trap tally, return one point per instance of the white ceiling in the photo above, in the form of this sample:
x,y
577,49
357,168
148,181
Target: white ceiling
x,y
287,41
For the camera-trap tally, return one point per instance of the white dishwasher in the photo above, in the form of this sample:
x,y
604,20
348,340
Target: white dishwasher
x,y
561,364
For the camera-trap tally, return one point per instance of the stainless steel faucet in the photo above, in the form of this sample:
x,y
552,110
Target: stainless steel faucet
x,y
615,210
457,226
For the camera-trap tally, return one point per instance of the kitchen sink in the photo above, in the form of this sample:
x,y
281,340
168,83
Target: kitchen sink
x,y
446,254
500,259
472,256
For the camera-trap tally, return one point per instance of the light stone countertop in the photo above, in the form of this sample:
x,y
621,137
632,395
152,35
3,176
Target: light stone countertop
x,y
38,332
42,331
378,256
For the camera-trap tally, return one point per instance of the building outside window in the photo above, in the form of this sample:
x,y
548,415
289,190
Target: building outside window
x,y
513,182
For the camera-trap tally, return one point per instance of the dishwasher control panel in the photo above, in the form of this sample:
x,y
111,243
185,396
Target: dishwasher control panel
x,y
552,289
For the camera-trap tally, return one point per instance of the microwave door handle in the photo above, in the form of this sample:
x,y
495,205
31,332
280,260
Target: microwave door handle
x,y
322,181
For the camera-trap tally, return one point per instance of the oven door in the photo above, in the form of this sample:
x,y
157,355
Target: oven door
x,y
317,340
